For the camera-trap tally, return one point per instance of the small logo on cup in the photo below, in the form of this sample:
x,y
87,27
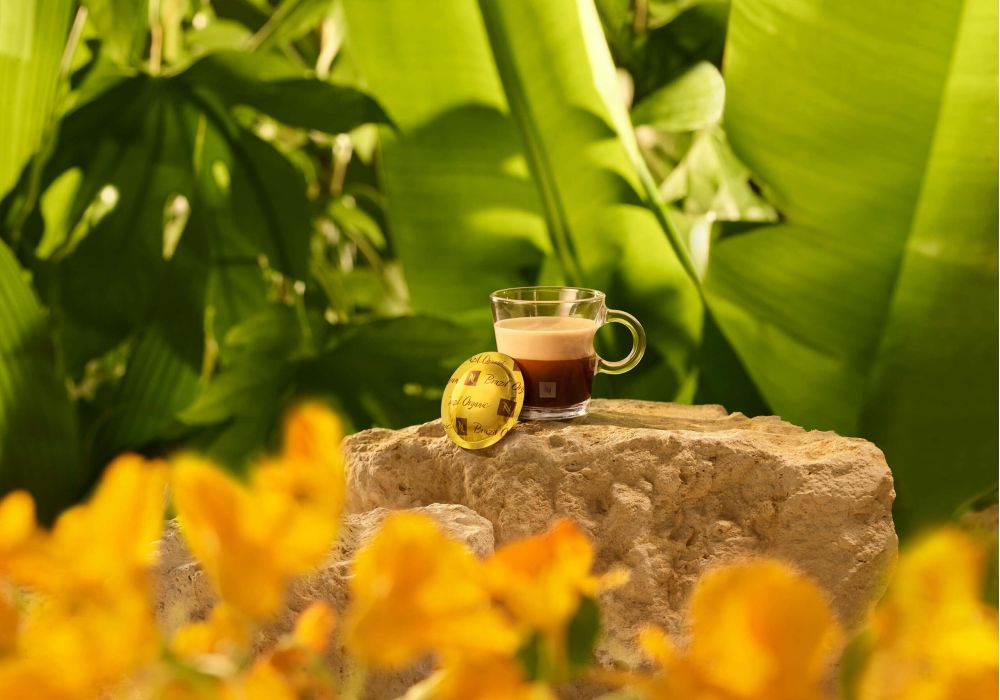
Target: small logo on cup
x,y
505,408
472,378
461,426
547,390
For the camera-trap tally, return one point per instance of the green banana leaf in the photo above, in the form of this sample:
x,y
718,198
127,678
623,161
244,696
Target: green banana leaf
x,y
38,428
32,37
463,210
464,217
871,309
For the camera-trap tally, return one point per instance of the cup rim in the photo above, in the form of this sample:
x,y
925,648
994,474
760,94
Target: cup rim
x,y
588,295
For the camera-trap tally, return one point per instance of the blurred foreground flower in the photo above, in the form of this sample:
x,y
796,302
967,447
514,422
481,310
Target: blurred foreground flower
x,y
77,619
415,591
542,579
932,637
759,631
251,540
480,677
90,617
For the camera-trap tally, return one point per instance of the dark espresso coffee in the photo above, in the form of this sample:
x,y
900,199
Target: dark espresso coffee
x,y
555,354
552,383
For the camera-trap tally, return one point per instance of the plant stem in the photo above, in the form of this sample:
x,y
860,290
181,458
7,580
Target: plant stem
x,y
155,38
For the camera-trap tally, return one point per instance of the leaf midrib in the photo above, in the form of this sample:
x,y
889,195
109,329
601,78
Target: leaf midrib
x,y
878,348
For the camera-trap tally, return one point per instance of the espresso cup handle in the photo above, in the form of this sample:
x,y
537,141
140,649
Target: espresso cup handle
x,y
638,344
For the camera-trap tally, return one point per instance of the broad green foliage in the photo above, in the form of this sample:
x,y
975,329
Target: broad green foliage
x,y
871,309
32,34
239,203
157,219
555,115
464,211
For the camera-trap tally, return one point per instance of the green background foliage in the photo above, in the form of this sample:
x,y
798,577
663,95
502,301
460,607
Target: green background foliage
x,y
213,208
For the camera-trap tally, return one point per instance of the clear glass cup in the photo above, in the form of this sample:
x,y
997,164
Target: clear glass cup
x,y
550,332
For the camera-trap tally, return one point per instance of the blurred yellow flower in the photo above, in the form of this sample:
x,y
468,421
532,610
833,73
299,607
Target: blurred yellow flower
x,y
541,579
227,534
480,677
261,682
932,637
759,631
314,627
89,613
313,434
251,540
415,591
225,631
303,494
117,529
17,526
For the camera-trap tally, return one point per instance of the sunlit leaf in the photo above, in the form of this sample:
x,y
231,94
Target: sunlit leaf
x,y
32,37
872,309
693,100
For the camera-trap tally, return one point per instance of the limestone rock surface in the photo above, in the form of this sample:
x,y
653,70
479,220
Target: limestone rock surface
x,y
184,592
666,490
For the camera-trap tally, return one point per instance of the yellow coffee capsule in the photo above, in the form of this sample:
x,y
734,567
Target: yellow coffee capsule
x,y
482,400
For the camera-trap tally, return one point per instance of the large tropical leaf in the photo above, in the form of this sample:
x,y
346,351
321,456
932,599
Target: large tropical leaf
x,y
456,177
32,37
463,210
159,209
151,149
38,445
602,215
168,191
872,308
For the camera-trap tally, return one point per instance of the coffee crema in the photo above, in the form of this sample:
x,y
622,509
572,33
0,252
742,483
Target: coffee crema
x,y
556,356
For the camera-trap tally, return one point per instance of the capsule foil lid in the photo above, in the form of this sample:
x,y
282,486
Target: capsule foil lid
x,y
482,400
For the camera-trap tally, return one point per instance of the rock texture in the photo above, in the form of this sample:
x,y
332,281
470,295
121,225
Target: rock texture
x,y
666,490
184,592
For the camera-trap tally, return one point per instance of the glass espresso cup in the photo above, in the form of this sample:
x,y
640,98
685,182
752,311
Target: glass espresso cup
x,y
550,331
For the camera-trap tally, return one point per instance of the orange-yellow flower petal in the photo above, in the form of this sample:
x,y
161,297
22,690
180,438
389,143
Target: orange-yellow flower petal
x,y
117,529
90,615
416,591
302,502
31,680
485,677
760,630
541,579
313,434
932,637
261,682
17,520
314,627
234,544
226,630
252,539
94,642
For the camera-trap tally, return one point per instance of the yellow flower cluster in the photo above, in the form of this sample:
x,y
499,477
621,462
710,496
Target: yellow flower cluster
x,y
77,618
416,592
76,610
